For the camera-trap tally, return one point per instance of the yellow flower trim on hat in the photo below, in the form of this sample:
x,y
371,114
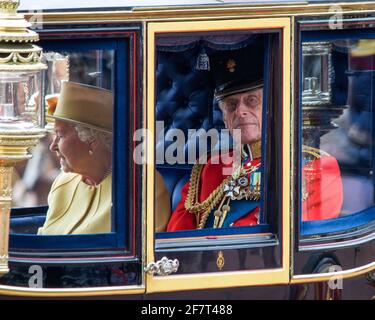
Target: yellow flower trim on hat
x,y
51,103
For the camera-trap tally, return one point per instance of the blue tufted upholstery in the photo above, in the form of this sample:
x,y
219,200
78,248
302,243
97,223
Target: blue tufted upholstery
x,y
27,224
184,95
175,181
27,220
184,101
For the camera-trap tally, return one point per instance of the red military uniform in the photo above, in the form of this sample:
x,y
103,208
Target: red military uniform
x,y
322,193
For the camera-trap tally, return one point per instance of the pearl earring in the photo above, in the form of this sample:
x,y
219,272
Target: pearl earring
x,y
90,152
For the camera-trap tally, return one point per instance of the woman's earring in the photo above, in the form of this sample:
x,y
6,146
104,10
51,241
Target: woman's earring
x,y
90,152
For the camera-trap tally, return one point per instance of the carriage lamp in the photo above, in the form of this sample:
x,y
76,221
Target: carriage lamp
x,y
21,107
318,76
317,73
57,73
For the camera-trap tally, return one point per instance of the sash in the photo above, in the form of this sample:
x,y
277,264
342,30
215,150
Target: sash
x,y
238,209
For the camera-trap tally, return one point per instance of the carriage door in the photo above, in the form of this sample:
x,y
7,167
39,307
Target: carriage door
x,y
186,134
335,215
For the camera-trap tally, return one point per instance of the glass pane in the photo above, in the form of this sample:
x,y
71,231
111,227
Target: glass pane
x,y
338,128
20,100
80,112
210,106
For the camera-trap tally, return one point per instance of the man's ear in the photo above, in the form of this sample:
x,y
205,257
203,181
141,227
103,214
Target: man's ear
x,y
94,144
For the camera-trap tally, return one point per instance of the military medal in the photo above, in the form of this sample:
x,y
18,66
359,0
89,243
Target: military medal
x,y
244,183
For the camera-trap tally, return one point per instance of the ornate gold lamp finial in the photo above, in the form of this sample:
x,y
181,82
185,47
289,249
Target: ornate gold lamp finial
x,y
21,107
9,6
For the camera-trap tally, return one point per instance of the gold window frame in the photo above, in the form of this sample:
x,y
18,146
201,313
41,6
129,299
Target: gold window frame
x,y
216,279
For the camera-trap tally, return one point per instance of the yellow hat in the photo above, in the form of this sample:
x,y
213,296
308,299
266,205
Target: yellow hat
x,y
87,105
365,47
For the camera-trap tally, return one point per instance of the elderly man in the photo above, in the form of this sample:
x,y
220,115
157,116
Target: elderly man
x,y
212,199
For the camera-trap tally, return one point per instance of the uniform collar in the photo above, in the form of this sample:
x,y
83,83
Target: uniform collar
x,y
252,150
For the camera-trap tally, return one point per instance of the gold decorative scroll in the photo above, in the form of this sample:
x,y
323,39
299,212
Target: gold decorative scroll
x,y
5,205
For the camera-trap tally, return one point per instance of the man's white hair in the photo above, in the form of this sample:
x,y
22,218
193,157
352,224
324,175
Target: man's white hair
x,y
86,134
220,103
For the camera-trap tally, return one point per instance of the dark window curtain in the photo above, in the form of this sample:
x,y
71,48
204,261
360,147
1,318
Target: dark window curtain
x,y
273,138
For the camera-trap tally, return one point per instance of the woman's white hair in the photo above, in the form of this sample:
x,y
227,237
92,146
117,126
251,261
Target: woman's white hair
x,y
86,134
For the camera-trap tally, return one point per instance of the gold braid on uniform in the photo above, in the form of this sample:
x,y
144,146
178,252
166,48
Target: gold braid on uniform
x,y
202,210
316,154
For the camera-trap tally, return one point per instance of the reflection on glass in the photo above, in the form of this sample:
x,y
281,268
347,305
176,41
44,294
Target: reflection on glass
x,y
337,138
316,73
71,169
58,70
20,100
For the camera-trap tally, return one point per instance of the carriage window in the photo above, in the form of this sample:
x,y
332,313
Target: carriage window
x,y
73,200
70,171
212,96
338,95
68,183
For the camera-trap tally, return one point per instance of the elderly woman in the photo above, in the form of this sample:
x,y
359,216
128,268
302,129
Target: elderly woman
x,y
80,198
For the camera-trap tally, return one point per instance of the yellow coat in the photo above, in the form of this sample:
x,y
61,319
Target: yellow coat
x,y
77,208
162,203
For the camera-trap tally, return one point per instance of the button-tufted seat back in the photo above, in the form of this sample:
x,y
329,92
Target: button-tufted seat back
x,y
184,100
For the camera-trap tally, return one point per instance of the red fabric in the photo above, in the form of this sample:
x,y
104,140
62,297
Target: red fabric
x,y
324,188
362,63
250,219
181,219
